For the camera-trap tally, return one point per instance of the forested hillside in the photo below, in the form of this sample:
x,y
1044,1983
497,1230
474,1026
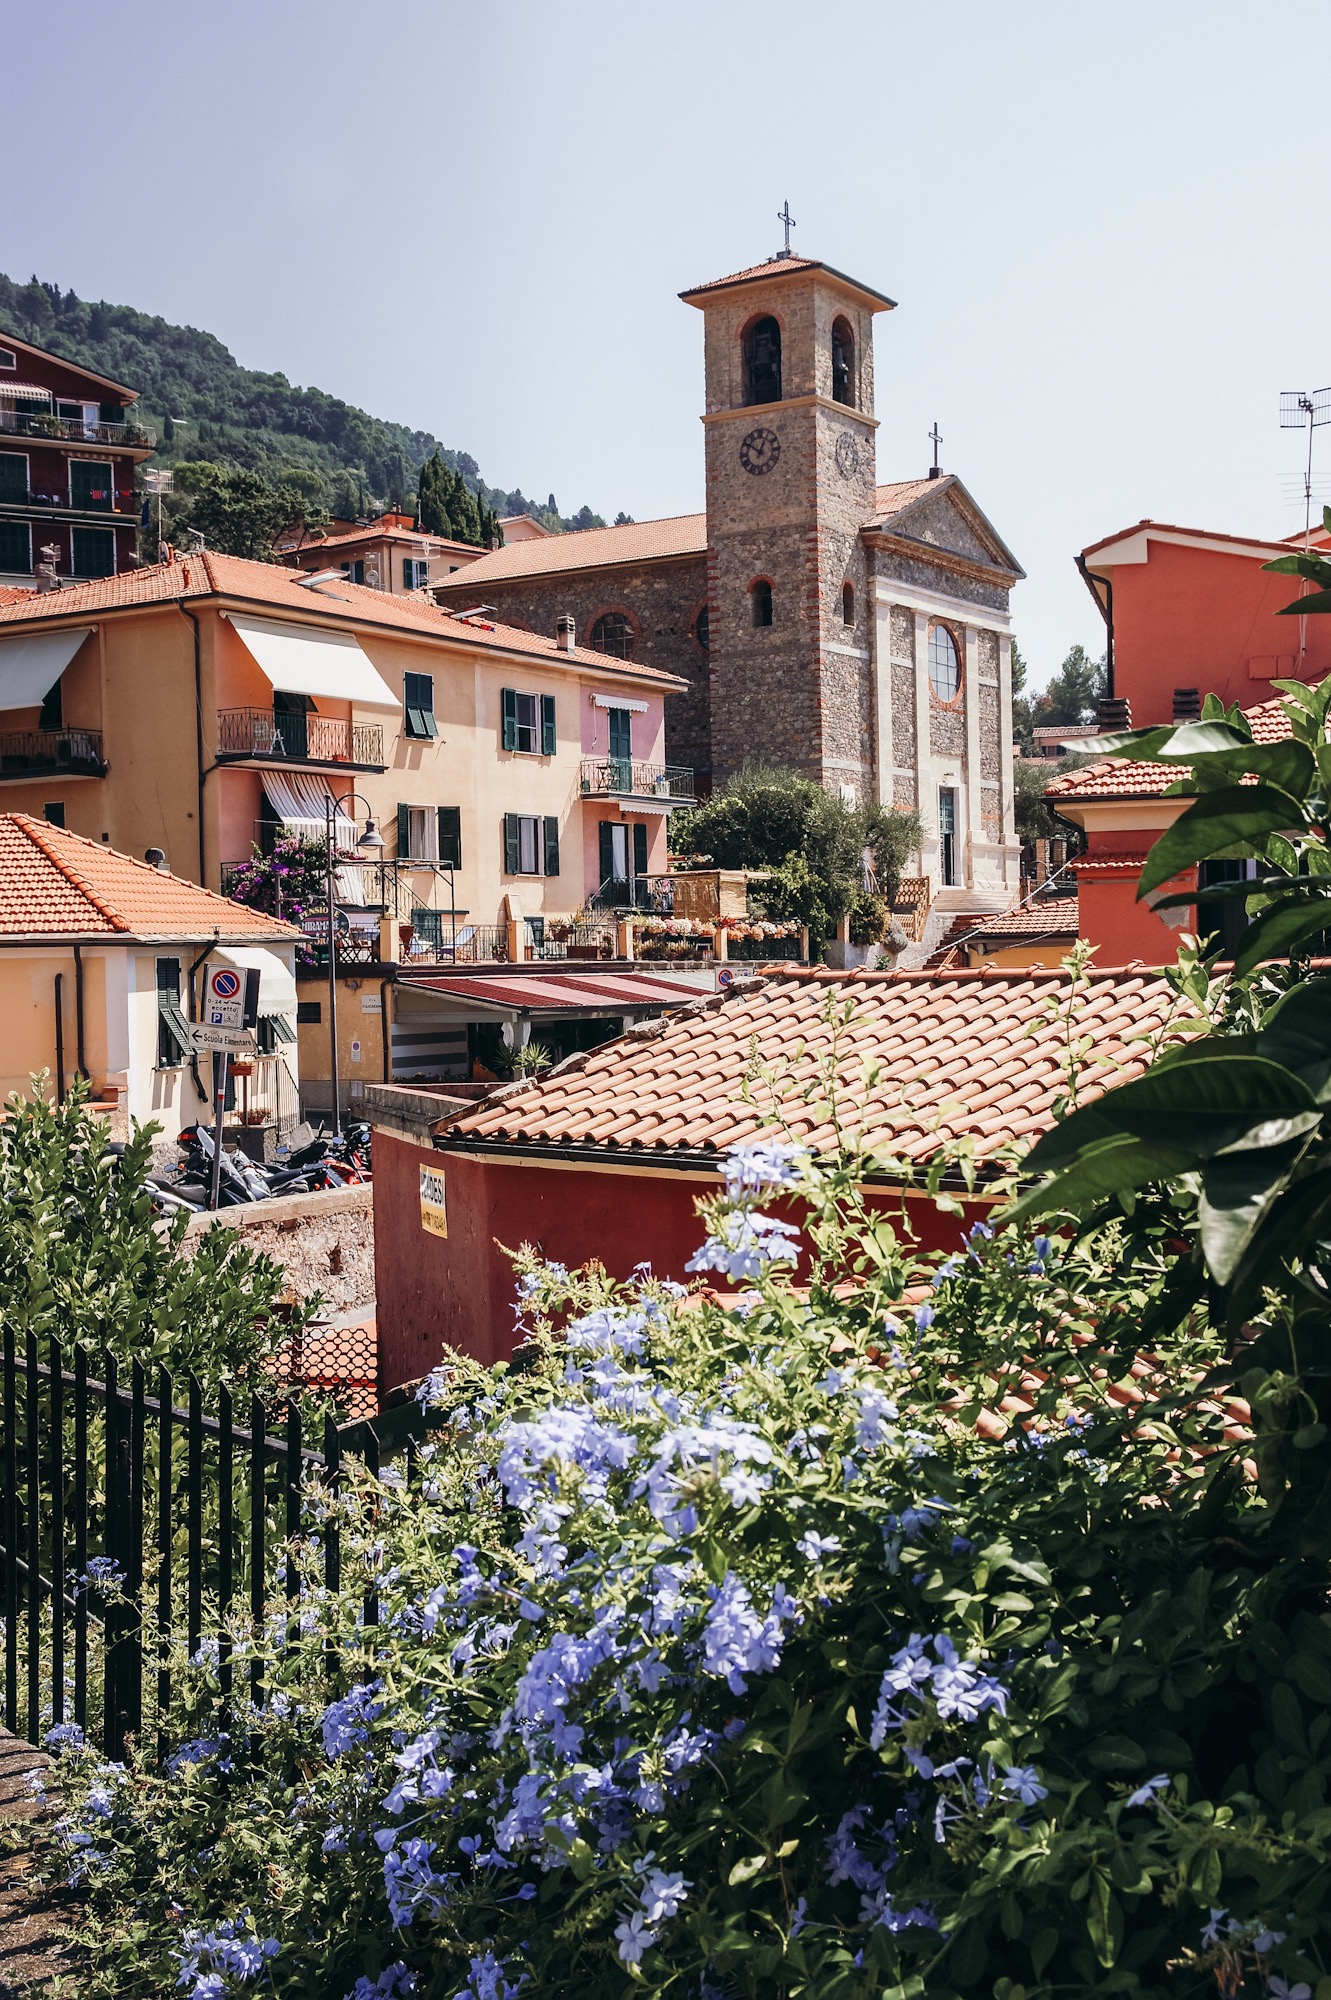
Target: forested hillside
x,y
205,406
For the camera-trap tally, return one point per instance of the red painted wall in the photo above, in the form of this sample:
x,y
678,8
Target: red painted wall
x,y
434,1292
1191,617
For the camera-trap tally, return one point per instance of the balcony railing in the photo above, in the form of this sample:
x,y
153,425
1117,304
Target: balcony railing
x,y
125,511
72,430
299,739
45,753
623,777
648,895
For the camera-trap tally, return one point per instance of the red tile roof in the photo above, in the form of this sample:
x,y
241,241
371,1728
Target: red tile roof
x,y
57,884
14,593
1047,916
1270,546
903,493
1109,864
342,1359
380,531
275,587
589,548
978,1054
782,266
1125,778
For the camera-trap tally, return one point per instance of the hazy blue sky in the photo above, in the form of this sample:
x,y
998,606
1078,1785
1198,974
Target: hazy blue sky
x,y
1101,225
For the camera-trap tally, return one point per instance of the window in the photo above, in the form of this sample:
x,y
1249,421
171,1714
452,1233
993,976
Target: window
x,y
944,665
702,629
354,572
13,476
172,1031
309,1013
428,927
90,485
53,812
15,548
947,836
430,835
760,597
8,360
762,361
415,573
529,723
1222,920
291,722
94,552
531,845
847,604
621,732
418,705
843,362
623,859
614,634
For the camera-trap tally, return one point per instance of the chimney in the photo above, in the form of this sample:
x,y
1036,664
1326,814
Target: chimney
x,y
1114,712
566,632
1187,704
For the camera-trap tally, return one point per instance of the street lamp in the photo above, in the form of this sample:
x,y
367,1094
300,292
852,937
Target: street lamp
x,y
370,842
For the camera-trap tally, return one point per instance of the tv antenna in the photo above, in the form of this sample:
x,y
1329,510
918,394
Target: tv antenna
x,y
1297,409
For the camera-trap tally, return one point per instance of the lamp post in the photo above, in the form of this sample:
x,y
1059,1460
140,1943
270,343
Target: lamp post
x,y
371,841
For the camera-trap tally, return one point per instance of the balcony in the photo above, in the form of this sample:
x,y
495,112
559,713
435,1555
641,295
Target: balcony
x,y
623,777
50,429
126,512
299,739
51,753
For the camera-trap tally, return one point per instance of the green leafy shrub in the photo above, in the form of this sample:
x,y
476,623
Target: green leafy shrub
x,y
850,1639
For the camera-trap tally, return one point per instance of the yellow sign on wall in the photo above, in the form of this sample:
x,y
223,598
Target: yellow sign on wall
x,y
434,1211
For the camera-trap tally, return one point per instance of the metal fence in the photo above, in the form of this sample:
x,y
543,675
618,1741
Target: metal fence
x,y
132,1518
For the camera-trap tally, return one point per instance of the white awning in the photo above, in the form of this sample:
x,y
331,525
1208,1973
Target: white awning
x,y
277,986
300,661
31,666
27,392
299,800
630,808
619,701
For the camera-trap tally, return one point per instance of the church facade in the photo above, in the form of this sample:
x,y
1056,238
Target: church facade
x,y
856,632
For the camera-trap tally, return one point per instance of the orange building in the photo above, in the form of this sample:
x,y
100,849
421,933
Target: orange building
x,y
1191,613
388,553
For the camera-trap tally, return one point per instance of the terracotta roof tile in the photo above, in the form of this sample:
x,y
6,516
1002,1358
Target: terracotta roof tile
x,y
1047,916
57,884
896,497
588,548
957,1052
275,587
1109,864
343,1359
781,266
1125,778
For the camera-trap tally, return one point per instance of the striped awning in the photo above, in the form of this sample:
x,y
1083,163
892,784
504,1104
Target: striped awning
x,y
23,392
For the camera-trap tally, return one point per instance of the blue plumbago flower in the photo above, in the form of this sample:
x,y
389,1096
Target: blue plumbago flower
x,y
747,1243
736,1640
64,1736
816,1546
1280,1989
202,1750
489,1978
411,1884
635,1936
947,1269
393,1981
877,1412
924,1318
959,1689
102,1573
799,1916
207,1959
346,1723
610,1330
565,1435
1144,1794
685,1450
662,1894
765,1163
1023,1781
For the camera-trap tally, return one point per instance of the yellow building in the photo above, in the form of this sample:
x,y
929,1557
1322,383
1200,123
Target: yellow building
x,y
101,963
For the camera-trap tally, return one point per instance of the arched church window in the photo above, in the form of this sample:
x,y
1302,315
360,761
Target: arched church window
x,y
702,628
613,633
847,604
762,361
760,596
843,362
944,664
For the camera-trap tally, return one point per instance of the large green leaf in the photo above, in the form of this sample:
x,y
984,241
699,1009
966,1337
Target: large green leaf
x,y
1115,1164
1206,1099
1315,601
1168,743
1272,934
1315,568
1238,1191
1288,764
1298,1217
1297,1033
1240,815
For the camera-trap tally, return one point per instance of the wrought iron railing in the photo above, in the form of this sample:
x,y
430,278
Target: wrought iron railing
x,y
470,944
299,739
44,753
125,513
72,430
648,895
624,777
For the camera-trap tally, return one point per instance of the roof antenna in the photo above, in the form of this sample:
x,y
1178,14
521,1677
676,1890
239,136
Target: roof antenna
x,y
1298,408
784,215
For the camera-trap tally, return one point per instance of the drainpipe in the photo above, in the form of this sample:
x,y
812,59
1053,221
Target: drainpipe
x,y
385,1036
81,1068
198,735
59,1040
1105,606
202,959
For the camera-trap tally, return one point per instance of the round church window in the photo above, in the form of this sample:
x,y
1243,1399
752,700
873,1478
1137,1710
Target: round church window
x,y
702,629
944,665
613,634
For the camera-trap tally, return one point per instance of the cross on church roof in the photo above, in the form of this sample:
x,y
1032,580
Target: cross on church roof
x,y
937,437
784,215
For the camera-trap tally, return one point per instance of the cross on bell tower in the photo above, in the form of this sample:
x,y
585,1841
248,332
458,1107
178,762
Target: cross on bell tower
x,y
783,215
935,438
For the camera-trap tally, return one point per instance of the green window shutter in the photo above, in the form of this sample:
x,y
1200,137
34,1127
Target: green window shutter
x,y
551,846
403,832
607,851
512,852
450,836
279,1027
621,733
639,848
172,1030
510,718
547,725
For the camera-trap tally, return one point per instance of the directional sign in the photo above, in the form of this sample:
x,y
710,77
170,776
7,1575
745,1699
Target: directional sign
x,y
231,1041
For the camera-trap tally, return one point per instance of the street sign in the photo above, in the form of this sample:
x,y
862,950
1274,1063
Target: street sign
x,y
222,1040
230,999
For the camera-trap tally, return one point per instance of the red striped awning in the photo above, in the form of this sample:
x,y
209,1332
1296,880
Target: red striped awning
x,y
564,992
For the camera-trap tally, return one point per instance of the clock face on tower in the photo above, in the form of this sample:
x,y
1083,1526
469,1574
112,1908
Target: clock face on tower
x,y
847,455
760,451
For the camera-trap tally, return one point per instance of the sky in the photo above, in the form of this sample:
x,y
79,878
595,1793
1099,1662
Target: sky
x,y
1100,225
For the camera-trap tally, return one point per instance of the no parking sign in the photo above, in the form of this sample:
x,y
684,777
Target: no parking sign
x,y
231,998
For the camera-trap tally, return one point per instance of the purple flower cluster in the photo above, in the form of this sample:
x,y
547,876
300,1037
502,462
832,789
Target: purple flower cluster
x,y
212,1963
346,1723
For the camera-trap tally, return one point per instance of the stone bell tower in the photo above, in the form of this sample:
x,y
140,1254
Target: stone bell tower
x,y
789,428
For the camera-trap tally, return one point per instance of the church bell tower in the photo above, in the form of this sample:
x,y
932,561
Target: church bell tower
x,y
789,429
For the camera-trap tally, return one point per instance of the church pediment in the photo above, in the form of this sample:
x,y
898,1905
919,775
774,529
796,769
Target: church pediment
x,y
940,514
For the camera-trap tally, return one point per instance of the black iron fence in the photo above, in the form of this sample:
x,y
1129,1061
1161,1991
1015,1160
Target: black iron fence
x,y
41,753
133,1518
